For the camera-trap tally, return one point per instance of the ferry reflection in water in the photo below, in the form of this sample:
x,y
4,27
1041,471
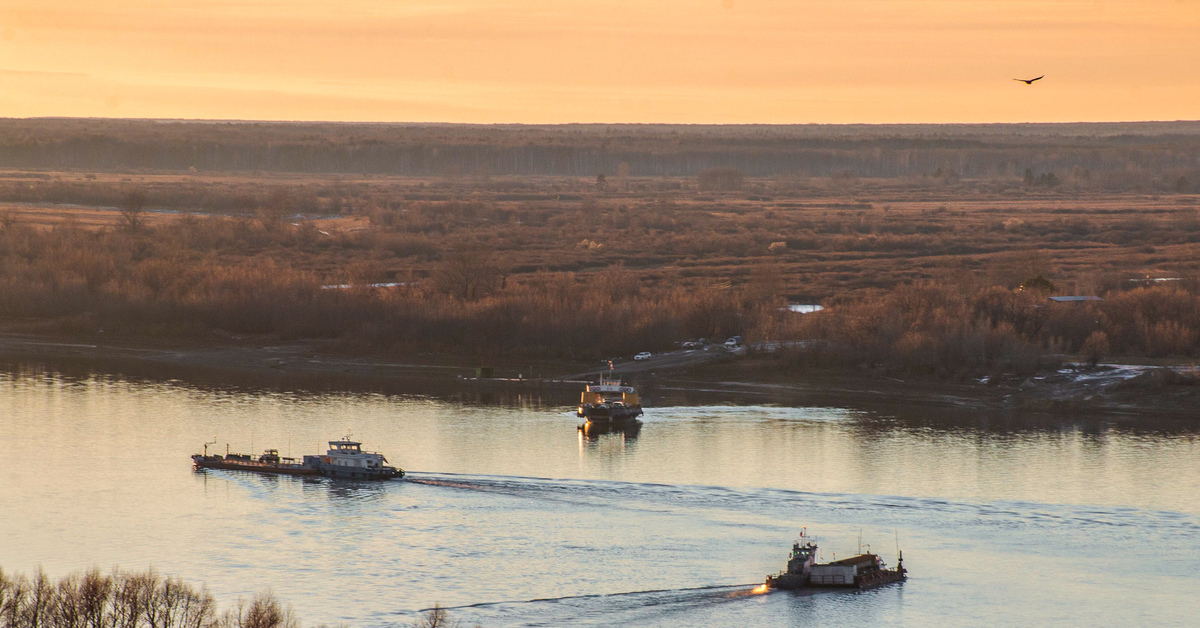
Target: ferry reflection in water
x,y
592,431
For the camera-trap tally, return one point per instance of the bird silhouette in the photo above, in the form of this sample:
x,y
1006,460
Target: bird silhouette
x,y
1030,81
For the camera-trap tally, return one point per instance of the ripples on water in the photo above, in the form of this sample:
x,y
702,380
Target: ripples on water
x,y
514,519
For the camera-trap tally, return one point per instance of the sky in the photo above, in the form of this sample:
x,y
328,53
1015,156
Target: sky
x,y
557,61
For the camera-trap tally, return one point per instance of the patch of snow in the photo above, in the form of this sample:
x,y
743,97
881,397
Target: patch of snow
x,y
347,286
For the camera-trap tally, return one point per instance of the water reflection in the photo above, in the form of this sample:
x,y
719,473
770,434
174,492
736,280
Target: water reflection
x,y
593,431
355,490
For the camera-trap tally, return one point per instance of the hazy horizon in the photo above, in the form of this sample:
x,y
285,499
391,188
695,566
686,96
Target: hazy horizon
x,y
1120,127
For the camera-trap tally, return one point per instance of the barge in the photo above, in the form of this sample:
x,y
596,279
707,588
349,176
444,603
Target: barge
x,y
344,459
862,571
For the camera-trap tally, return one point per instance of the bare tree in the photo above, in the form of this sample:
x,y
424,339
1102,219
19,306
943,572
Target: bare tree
x,y
264,611
133,206
436,617
66,608
278,205
95,592
468,274
12,598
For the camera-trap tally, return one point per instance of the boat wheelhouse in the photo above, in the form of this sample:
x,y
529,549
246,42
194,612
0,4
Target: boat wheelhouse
x,y
346,459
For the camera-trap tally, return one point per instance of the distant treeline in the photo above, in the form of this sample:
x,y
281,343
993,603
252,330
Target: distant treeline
x,y
1145,154
146,599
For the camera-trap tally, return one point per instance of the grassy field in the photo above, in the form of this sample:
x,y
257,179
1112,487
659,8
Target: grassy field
x,y
825,243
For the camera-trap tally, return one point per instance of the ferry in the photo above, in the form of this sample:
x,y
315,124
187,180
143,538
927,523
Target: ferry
x,y
862,571
344,459
609,406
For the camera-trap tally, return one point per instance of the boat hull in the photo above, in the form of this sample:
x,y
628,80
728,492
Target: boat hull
x,y
606,413
786,581
358,473
310,468
789,582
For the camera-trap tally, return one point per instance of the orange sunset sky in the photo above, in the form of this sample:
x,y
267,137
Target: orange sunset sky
x,y
550,61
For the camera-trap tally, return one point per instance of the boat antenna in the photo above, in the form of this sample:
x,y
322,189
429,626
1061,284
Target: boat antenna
x,y
860,540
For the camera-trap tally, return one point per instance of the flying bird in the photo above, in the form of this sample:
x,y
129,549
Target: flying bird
x,y
1030,81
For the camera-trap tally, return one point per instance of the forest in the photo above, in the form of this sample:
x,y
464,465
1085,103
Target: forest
x,y
1122,156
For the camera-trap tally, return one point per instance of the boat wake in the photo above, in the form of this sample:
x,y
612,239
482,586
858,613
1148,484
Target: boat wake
x,y
733,590
883,509
638,608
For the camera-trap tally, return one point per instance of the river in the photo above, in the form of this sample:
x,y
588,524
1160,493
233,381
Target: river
x,y
511,518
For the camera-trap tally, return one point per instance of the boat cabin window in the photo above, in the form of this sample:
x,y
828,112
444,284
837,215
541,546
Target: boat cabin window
x,y
345,448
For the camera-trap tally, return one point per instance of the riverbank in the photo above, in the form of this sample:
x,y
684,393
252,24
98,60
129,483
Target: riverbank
x,y
710,376
1115,390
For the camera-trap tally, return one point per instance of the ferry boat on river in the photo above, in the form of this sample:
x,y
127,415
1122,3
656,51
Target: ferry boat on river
x,y
609,406
862,571
344,459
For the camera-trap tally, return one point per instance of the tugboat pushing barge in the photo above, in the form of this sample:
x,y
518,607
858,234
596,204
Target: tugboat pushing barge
x,y
857,572
609,406
344,459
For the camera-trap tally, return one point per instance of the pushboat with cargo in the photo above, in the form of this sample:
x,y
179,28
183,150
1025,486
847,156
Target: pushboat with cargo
x,y
862,571
345,458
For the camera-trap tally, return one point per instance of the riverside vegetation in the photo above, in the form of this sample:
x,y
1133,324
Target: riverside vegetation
x,y
146,599
934,252
127,600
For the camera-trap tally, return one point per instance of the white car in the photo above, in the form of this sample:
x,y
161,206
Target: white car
x,y
645,355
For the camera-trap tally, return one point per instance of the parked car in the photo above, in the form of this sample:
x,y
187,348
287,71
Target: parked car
x,y
645,355
734,342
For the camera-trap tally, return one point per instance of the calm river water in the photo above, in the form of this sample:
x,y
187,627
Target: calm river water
x,y
513,518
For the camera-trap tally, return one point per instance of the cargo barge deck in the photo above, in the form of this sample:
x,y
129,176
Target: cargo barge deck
x,y
344,459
